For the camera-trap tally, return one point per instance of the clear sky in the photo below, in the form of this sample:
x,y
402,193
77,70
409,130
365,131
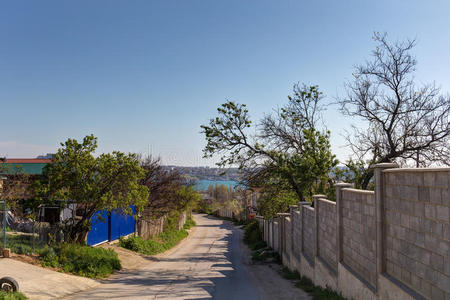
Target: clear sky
x,y
143,75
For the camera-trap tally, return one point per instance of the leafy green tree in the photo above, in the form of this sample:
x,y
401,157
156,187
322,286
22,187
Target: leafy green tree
x,y
107,182
288,147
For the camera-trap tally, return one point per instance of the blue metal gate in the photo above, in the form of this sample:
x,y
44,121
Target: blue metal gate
x,y
99,232
110,226
121,224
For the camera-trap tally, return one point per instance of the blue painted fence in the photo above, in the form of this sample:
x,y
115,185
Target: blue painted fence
x,y
110,226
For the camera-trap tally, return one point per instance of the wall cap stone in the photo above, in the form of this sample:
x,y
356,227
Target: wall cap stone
x,y
308,207
319,196
343,184
327,201
357,191
442,169
384,166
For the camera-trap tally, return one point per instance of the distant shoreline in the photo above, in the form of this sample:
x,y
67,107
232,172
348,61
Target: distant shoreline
x,y
203,184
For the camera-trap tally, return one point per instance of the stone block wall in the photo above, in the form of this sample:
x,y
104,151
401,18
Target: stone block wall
x,y
417,237
327,231
309,231
359,233
276,238
391,243
287,249
296,233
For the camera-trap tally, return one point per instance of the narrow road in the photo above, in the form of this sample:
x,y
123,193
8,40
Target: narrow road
x,y
212,263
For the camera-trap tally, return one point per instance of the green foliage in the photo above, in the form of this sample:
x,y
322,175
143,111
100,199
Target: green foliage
x,y
12,296
163,241
106,182
287,154
317,292
81,260
275,200
189,223
155,245
252,233
290,275
24,244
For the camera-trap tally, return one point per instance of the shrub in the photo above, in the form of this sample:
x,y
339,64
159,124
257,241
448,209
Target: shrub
x,y
252,234
81,260
12,296
24,244
189,223
155,245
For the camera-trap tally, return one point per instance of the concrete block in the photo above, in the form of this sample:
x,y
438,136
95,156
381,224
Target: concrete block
x,y
420,239
437,262
430,211
443,248
441,179
419,209
425,288
443,213
352,287
424,194
388,290
431,275
406,276
404,219
428,179
437,294
447,267
436,195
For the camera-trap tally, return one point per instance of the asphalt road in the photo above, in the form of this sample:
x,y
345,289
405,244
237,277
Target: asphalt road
x,y
212,263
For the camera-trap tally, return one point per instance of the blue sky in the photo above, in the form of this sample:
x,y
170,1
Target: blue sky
x,y
143,75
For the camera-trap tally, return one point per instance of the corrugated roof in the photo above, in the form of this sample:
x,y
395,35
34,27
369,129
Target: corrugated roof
x,y
31,166
28,161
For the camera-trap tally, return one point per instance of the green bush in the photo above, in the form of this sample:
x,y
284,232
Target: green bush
x,y
155,245
12,296
189,223
252,233
24,244
317,292
81,260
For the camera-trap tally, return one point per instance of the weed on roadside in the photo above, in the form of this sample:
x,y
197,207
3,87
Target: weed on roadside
x,y
317,292
81,260
12,296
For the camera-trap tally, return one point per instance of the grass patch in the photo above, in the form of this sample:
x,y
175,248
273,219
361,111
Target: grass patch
x,y
24,244
316,292
252,234
81,260
290,275
158,244
12,296
189,223
72,258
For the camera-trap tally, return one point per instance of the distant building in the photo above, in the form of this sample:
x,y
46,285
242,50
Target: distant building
x,y
30,166
47,156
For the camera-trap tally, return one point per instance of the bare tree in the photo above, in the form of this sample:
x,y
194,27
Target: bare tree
x,y
407,122
164,186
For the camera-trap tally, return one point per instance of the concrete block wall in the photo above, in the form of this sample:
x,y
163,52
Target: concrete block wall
x,y
417,233
276,237
391,243
296,233
326,235
359,233
309,232
287,249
